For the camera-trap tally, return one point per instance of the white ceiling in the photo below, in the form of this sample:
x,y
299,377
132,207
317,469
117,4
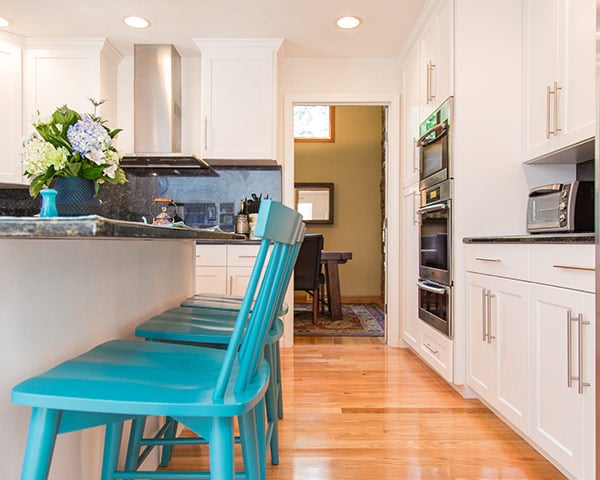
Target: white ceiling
x,y
306,25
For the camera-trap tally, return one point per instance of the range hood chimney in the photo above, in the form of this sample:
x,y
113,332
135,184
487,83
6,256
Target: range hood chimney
x,y
157,116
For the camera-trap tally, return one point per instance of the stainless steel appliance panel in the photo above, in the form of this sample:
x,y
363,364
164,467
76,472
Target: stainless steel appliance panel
x,y
435,305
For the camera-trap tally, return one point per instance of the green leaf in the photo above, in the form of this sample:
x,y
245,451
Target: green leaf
x,y
36,185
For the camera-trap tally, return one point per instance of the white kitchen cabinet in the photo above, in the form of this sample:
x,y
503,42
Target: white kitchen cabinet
x,y
70,71
240,261
238,98
411,96
436,58
437,350
563,423
559,75
224,269
410,267
10,114
536,302
211,269
498,345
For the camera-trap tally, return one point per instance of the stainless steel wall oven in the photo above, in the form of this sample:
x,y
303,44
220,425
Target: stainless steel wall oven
x,y
435,257
435,215
435,146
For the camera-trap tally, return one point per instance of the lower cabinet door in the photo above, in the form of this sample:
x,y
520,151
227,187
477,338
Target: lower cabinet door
x,y
563,352
479,352
509,336
498,353
211,280
239,277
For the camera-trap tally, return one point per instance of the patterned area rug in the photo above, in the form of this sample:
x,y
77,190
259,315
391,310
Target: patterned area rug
x,y
359,320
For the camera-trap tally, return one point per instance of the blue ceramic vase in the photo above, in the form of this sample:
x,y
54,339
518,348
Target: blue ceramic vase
x,y
75,197
48,203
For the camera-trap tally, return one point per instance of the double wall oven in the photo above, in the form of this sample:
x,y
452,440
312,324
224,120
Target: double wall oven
x,y
435,215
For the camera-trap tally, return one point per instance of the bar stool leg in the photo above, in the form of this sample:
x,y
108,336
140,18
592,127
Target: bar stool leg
x,y
250,446
112,442
43,429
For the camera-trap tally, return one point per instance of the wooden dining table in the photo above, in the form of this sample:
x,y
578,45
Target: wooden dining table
x,y
331,260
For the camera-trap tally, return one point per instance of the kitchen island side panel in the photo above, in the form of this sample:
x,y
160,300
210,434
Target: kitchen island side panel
x,y
61,297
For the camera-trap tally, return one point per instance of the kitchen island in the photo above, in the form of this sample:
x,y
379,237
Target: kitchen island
x,y
68,284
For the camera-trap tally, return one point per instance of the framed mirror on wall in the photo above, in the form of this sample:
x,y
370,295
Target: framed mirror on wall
x,y
315,202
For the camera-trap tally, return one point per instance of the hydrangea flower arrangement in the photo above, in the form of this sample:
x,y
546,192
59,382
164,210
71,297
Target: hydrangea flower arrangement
x,y
68,144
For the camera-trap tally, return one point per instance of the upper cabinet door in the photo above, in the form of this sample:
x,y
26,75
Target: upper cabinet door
x,y
10,114
238,95
559,68
436,58
411,118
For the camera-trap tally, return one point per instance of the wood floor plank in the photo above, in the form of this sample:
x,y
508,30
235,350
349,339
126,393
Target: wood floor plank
x,y
362,410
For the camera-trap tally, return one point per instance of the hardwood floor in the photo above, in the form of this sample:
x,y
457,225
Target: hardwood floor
x,y
356,409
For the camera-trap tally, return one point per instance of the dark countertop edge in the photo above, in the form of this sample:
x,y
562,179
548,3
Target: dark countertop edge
x,y
564,238
94,226
228,241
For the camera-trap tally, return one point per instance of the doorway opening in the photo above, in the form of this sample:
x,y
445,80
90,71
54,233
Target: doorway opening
x,y
362,205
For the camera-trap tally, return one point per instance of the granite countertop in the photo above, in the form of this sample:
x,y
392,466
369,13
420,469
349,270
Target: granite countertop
x,y
94,226
584,238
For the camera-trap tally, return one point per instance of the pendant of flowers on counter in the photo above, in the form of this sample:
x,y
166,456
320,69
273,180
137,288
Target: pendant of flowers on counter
x,y
69,144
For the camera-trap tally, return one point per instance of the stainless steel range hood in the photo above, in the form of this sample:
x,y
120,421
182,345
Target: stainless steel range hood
x,y
157,116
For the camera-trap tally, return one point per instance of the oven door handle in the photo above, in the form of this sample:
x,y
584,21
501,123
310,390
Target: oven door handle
x,y
440,130
432,289
432,208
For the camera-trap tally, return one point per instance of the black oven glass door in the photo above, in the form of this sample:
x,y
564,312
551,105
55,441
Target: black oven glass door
x,y
434,242
433,156
435,306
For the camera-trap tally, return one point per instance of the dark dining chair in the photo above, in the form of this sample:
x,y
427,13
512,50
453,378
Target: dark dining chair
x,y
307,272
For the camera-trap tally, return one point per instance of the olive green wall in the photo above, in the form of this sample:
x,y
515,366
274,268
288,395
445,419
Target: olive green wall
x,y
353,164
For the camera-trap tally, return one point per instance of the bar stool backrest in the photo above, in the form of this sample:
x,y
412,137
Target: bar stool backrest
x,y
281,230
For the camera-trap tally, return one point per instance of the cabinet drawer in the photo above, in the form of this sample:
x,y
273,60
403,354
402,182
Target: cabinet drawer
x,y
436,350
241,255
569,266
499,260
211,255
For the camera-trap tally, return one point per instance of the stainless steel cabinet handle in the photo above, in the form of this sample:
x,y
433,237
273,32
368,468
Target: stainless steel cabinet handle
x,y
205,133
430,95
552,110
490,337
556,90
580,359
246,256
415,165
569,350
548,93
415,196
230,284
484,293
431,349
484,259
575,267
428,86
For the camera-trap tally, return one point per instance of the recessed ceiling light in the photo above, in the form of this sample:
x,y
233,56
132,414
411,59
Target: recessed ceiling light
x,y
4,22
136,22
349,21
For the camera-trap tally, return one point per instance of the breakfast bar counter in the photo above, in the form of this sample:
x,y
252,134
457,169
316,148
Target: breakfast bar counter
x,y
67,285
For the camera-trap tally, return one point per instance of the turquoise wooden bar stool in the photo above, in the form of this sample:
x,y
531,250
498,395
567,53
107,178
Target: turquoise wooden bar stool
x,y
205,389
211,323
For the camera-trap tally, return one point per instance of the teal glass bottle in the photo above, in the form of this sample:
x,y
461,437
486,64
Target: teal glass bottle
x,y
48,203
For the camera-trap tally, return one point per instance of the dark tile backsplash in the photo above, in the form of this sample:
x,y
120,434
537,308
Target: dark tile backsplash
x,y
203,201
586,170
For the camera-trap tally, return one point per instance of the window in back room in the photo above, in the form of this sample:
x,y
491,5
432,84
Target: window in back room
x,y
314,123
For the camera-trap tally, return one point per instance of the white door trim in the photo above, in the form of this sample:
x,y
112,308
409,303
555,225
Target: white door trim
x,y
392,201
